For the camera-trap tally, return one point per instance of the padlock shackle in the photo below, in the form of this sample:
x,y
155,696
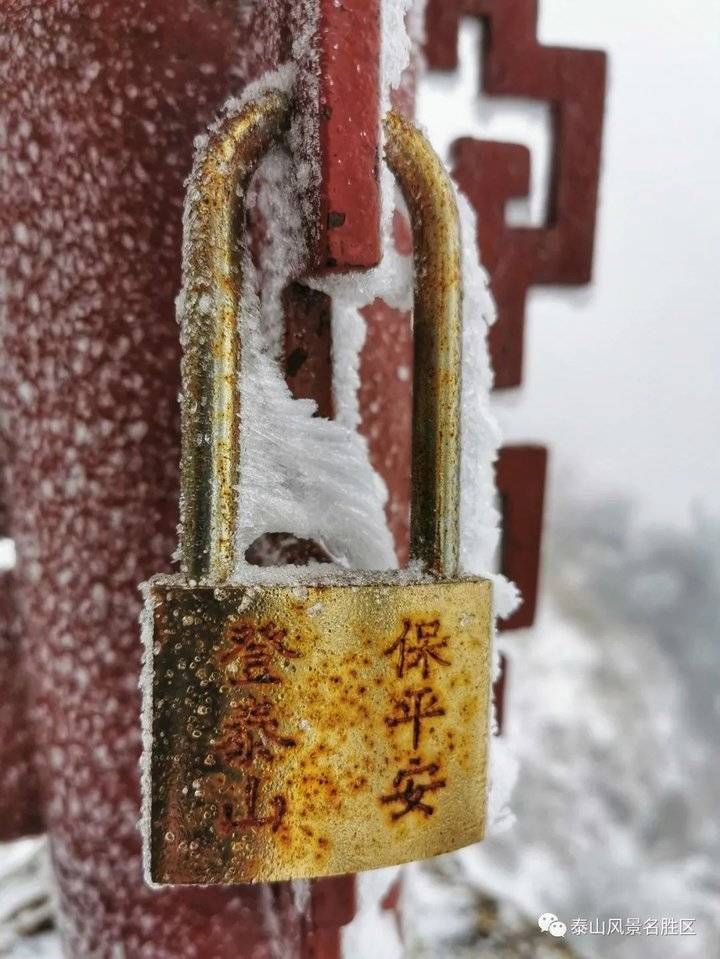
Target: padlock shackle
x,y
437,336
214,253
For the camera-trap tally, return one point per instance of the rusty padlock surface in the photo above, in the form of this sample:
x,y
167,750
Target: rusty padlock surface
x,y
325,722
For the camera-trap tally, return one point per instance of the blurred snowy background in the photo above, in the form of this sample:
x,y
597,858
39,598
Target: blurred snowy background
x,y
613,703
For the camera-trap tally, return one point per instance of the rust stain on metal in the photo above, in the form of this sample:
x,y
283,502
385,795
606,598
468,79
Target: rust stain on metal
x,y
212,280
306,731
437,336
324,727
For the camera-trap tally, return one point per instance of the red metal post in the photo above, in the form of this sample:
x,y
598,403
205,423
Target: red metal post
x,y
521,472
348,87
573,82
102,102
19,800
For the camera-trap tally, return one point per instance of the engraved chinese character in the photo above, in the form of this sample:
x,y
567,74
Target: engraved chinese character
x,y
253,651
633,926
579,927
669,927
687,927
250,730
615,927
414,707
228,822
410,792
417,645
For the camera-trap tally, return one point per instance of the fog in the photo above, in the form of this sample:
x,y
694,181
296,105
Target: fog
x,y
612,707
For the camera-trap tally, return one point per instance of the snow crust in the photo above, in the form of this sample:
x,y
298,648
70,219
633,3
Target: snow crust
x,y
373,924
26,890
391,281
396,47
479,516
300,473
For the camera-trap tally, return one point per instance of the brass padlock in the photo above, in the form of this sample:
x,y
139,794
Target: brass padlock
x,y
328,722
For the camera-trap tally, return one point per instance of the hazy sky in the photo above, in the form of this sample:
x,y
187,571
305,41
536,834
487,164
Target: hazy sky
x,y
623,378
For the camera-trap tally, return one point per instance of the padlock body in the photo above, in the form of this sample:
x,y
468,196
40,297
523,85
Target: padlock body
x,y
312,730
